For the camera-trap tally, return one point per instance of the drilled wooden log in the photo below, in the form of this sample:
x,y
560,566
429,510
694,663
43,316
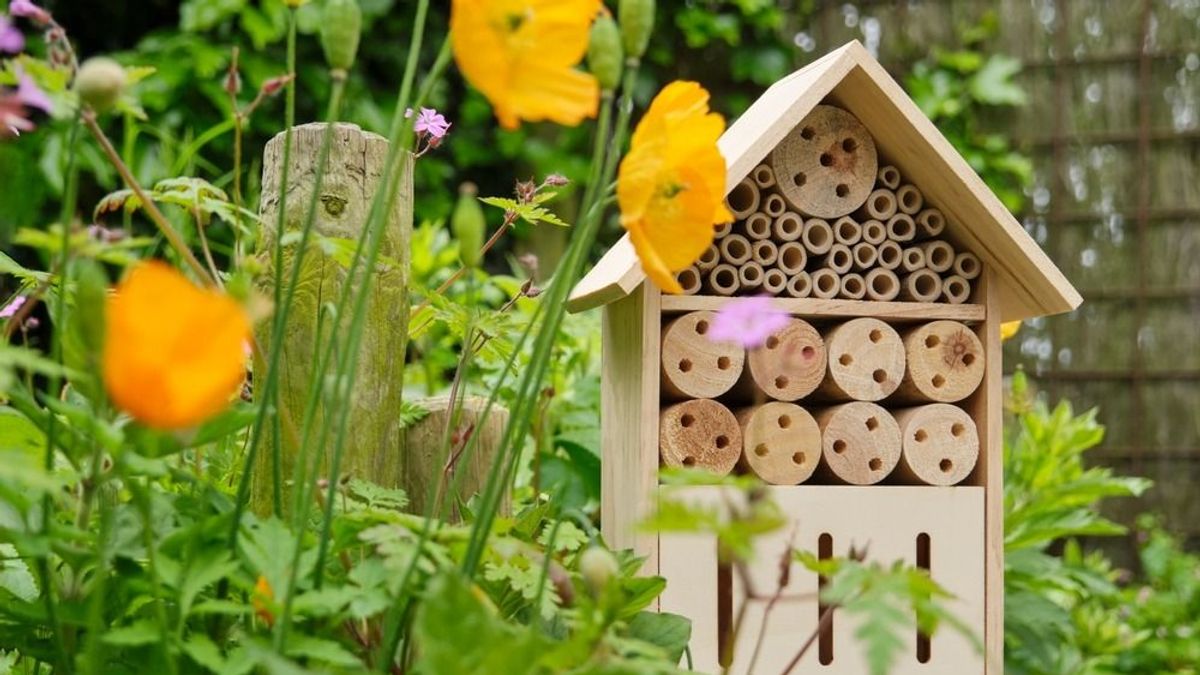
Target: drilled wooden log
x,y
764,253
839,259
826,165
874,232
826,283
693,366
909,199
865,256
723,280
743,199
853,287
882,285
847,231
912,259
817,236
889,255
788,227
967,266
709,259
781,443
939,255
699,434
425,454
901,228
758,226
866,361
930,223
945,363
764,176
789,365
939,444
735,249
880,205
689,279
792,258
374,441
889,177
955,289
750,275
921,286
800,286
860,443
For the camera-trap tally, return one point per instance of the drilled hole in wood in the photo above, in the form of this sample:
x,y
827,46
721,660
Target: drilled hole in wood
x,y
701,327
761,449
968,359
946,466
808,353
845,359
807,133
826,159
880,375
842,190
772,342
957,429
798,458
875,335
784,421
875,464
932,341
921,436
938,381
722,442
800,179
781,382
849,145
685,365
687,420
689,461
839,446
872,424
723,363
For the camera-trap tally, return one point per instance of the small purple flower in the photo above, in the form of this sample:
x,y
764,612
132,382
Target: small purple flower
x,y
30,96
12,40
747,321
430,122
12,307
27,9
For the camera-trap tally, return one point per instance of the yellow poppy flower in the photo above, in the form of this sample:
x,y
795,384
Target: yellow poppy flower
x,y
671,185
261,599
174,354
522,54
1009,329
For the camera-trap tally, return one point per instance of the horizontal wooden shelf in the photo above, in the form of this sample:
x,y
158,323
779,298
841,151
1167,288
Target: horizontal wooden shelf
x,y
812,307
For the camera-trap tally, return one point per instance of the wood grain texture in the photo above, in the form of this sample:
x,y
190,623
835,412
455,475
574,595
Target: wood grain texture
x,y
860,442
781,442
939,446
818,308
945,363
791,363
425,456
866,361
826,165
699,434
693,366
985,406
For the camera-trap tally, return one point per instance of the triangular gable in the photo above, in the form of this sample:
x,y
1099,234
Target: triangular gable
x,y
1030,284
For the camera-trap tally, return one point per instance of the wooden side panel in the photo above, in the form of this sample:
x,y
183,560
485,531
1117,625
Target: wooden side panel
x,y
690,565
629,420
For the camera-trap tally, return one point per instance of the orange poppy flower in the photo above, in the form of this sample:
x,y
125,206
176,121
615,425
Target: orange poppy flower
x,y
174,354
261,599
522,54
671,185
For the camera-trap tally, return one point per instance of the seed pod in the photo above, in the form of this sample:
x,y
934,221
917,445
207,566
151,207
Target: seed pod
x,y
468,223
637,23
100,83
341,28
605,53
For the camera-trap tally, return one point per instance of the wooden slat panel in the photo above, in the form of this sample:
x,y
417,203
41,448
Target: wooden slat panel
x,y
811,307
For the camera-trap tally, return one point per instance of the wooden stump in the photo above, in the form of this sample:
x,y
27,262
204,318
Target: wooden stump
x,y
860,442
826,166
939,446
945,363
781,443
424,455
356,160
790,364
701,434
866,361
694,366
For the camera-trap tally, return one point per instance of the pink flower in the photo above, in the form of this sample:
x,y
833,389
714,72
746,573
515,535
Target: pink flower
x,y
30,11
11,308
747,321
430,122
12,40
30,96
13,119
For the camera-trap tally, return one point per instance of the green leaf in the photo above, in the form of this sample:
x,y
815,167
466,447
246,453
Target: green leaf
x,y
672,632
136,634
531,213
205,652
15,576
994,83
318,649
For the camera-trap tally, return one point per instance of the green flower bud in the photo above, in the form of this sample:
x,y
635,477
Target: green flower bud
x,y
468,224
637,23
100,83
341,28
605,53
597,566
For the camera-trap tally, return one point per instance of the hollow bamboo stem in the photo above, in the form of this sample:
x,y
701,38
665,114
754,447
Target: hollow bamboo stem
x,y
921,286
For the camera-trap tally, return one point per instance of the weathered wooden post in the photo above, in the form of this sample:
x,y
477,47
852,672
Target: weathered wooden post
x,y
356,161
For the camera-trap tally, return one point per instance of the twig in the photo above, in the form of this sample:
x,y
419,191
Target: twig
x,y
785,566
826,619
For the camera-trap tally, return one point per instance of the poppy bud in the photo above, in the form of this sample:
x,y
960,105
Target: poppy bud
x,y
100,83
341,28
637,23
605,54
468,224
597,566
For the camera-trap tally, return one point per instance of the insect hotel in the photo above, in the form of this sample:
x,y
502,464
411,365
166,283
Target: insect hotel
x,y
874,416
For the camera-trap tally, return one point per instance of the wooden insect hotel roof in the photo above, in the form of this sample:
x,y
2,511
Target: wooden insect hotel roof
x,y
1030,284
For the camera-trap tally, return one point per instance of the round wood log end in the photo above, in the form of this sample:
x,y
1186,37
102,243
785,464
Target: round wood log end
x,y
693,366
700,434
826,166
860,442
945,362
791,363
940,444
866,360
781,442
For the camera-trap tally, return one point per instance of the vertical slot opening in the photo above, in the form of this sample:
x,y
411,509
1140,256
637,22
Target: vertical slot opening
x,y
924,648
724,614
825,639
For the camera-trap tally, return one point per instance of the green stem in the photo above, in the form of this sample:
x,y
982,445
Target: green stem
x,y
142,500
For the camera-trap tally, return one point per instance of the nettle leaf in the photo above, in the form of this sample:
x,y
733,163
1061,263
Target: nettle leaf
x,y
15,576
377,496
532,212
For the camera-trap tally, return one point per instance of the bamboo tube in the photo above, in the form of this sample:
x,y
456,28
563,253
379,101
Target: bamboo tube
x,y
909,199
764,253
723,279
781,443
912,259
901,228
826,165
939,256
750,274
967,265
840,259
792,258
764,176
865,256
866,361
847,231
882,285
722,230
774,281
800,286
826,284
874,232
817,236
788,226
700,434
853,287
689,279
774,205
694,366
880,205
930,223
889,255
860,442
789,365
921,286
889,177
709,258
945,363
758,226
956,289
743,199
735,249
939,444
